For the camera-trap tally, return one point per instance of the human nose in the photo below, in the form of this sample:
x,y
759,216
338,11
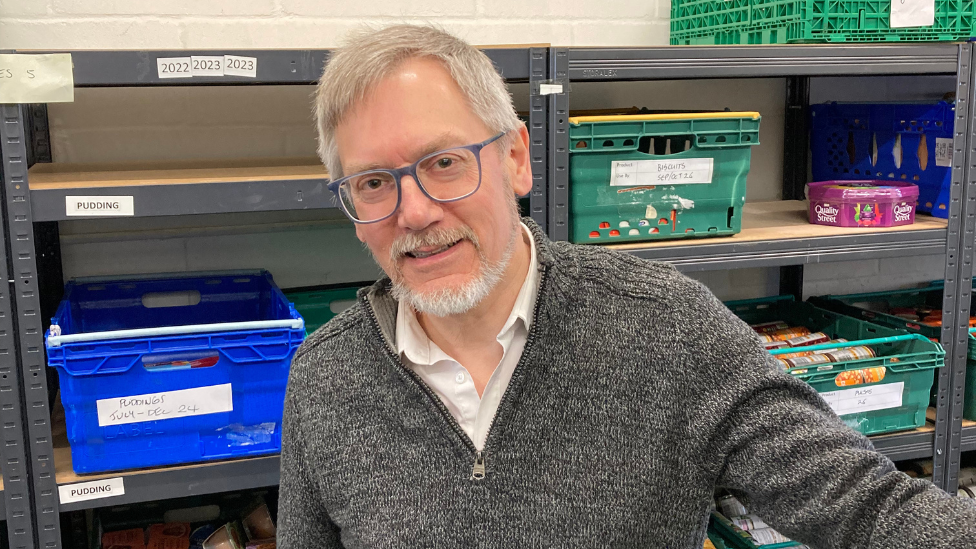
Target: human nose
x,y
417,210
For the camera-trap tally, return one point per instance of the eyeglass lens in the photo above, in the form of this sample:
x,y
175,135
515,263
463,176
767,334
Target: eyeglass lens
x,y
446,175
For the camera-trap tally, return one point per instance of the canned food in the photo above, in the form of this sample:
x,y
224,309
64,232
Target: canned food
x,y
764,536
770,345
783,335
766,327
851,353
794,355
749,522
808,339
837,341
911,317
810,360
731,507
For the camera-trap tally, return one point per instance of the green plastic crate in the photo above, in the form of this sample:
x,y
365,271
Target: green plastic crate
x,y
714,22
318,305
726,535
874,307
689,181
912,361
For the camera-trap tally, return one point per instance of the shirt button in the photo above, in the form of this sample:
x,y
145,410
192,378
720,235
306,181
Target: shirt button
x,y
460,377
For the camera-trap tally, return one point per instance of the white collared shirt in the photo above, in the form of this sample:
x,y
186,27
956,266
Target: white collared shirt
x,y
449,379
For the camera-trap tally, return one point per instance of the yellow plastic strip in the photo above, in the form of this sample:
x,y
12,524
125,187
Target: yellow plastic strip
x,y
675,116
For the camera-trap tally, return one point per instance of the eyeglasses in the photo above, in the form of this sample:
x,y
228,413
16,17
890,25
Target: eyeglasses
x,y
444,176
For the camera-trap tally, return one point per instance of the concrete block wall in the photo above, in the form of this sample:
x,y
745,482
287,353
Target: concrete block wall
x,y
306,248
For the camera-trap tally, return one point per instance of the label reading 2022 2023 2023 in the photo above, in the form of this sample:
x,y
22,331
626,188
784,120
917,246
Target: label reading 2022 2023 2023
x,y
625,173
207,65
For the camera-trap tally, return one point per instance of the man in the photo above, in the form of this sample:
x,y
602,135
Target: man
x,y
502,390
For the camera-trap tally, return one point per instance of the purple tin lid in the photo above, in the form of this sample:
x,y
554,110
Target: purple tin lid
x,y
875,190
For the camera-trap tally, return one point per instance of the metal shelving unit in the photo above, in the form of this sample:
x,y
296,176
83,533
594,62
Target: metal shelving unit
x,y
31,253
798,63
32,213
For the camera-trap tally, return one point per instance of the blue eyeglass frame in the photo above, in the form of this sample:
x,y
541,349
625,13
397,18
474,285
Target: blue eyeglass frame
x,y
411,170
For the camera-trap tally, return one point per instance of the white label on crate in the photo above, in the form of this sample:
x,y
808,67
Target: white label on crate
x,y
235,65
943,152
912,13
98,206
96,489
865,399
207,65
173,67
29,78
169,405
625,173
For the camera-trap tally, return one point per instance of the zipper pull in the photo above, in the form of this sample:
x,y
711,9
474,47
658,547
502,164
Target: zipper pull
x,y
478,471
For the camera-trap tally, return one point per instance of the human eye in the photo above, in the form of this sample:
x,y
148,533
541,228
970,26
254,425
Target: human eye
x,y
446,163
372,184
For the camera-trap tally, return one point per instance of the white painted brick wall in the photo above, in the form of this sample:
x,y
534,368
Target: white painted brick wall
x,y
174,24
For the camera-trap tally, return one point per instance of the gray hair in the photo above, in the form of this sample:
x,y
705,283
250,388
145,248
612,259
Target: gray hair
x,y
368,56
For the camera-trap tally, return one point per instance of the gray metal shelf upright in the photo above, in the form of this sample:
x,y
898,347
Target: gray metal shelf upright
x,y
798,63
31,217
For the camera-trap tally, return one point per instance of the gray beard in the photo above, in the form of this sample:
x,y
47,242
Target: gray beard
x,y
459,300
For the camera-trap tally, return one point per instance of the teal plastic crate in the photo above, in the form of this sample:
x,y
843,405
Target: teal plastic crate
x,y
319,305
726,535
659,176
875,307
715,22
911,359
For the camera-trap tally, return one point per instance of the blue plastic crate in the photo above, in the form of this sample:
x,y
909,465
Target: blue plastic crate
x,y
858,141
176,369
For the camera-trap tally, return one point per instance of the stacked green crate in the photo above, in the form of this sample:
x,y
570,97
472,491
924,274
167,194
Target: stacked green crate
x,y
319,305
876,307
910,360
659,176
714,22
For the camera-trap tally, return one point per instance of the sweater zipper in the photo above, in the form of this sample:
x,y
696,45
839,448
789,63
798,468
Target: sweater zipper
x,y
478,468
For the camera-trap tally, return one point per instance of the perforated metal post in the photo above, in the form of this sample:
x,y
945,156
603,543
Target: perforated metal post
x,y
538,140
959,277
27,322
559,147
13,453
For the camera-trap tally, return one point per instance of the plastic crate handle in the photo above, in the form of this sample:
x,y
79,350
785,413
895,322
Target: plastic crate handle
x,y
58,340
863,342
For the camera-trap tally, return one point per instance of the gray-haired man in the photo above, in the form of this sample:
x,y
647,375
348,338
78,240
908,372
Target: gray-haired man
x,y
502,390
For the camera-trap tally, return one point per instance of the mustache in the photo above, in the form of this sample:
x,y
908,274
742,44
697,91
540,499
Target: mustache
x,y
430,238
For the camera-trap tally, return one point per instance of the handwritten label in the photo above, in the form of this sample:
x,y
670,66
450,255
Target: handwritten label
x,y
168,405
43,78
235,65
207,65
943,152
865,399
624,173
100,206
96,489
912,13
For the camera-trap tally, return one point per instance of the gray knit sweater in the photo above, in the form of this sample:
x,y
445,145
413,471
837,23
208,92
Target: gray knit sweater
x,y
636,396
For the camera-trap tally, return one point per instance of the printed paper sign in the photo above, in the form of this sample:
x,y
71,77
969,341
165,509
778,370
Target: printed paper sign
x,y
207,65
167,405
81,206
549,89
96,489
912,13
943,152
865,399
44,78
624,173
235,65
174,67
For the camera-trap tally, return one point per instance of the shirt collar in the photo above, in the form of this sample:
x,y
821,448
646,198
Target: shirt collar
x,y
412,342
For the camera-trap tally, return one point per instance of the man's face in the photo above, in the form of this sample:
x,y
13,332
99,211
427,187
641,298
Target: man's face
x,y
417,110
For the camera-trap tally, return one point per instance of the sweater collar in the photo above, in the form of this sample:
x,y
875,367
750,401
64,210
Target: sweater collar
x,y
385,307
